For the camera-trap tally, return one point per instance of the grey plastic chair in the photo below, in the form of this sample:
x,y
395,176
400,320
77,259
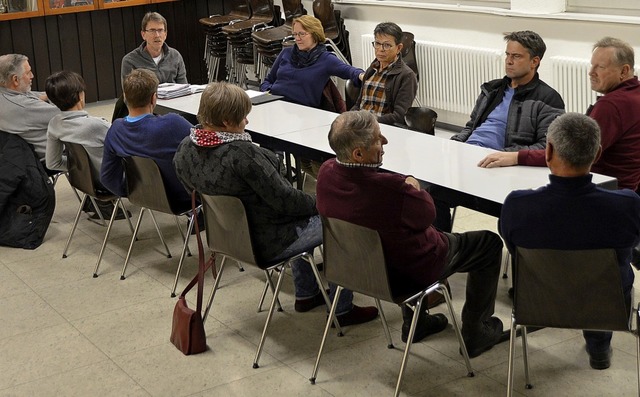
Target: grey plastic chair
x,y
354,259
146,189
80,177
578,289
228,235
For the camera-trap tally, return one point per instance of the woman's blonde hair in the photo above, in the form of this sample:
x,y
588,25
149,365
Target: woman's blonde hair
x,y
312,25
223,102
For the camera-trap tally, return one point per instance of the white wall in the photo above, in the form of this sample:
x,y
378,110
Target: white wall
x,y
562,37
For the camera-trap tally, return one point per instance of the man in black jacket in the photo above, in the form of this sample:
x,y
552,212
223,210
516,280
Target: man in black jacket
x,y
511,113
514,112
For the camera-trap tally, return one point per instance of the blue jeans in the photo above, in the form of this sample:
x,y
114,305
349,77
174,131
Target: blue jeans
x,y
303,278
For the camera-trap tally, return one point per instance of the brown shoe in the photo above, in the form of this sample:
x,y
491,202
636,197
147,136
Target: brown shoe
x,y
358,315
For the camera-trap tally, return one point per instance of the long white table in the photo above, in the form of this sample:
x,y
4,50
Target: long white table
x,y
270,119
448,164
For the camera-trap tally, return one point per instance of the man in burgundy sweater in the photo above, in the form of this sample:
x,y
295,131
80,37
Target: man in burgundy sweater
x,y
351,188
616,112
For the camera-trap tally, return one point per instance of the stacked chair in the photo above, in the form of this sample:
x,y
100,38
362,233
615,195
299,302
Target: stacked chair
x,y
215,49
240,43
268,41
334,29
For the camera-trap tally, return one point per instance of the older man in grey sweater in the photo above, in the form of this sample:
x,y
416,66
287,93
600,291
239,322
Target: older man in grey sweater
x,y
23,112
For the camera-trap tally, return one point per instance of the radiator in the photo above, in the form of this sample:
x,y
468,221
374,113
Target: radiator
x,y
449,76
571,80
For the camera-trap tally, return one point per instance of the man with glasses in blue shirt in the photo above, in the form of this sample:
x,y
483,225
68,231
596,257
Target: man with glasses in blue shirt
x,y
389,85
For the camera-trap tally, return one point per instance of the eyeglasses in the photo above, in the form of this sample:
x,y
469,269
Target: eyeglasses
x,y
155,31
384,46
299,34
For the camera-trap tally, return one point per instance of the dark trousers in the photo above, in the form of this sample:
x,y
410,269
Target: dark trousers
x,y
599,341
478,254
443,221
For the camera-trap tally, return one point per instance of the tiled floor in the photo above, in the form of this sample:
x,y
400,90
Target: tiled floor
x,y
65,333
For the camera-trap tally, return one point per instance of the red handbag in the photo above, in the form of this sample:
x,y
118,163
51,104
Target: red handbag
x,y
187,328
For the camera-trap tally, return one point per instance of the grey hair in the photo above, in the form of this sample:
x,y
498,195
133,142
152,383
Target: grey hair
x,y
11,65
623,54
575,138
351,130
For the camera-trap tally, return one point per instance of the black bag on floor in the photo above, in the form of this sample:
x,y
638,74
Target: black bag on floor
x,y
27,197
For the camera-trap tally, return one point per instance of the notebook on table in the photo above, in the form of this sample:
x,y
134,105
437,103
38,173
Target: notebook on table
x,y
258,97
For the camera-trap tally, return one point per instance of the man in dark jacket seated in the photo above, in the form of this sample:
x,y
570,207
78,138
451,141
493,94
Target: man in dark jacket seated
x,y
572,213
511,113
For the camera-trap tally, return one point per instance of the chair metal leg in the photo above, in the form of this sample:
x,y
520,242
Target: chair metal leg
x,y
98,212
240,267
269,315
506,258
155,223
269,284
185,249
512,346
66,174
525,356
213,290
442,288
106,237
332,316
133,240
385,326
407,349
453,216
264,290
636,314
185,235
124,211
75,224
309,258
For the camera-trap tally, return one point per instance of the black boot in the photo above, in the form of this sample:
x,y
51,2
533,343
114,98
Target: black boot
x,y
106,209
427,324
88,207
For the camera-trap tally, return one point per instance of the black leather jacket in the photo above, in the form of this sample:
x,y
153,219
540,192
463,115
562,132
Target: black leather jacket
x,y
533,107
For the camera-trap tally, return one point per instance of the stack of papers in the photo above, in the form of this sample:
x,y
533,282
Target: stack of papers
x,y
195,88
172,90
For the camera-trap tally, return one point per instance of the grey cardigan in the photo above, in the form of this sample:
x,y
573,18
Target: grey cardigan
x,y
275,209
